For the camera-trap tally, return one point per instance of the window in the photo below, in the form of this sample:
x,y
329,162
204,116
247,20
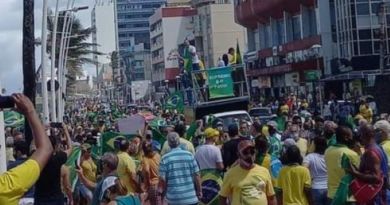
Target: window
x,y
365,34
363,9
365,47
296,27
280,30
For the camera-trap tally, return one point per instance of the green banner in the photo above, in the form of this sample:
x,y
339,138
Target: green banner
x,y
220,82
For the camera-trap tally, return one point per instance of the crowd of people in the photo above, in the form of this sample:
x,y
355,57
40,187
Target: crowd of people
x,y
295,158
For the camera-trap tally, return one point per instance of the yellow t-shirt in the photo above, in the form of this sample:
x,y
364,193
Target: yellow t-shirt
x,y
184,144
89,169
386,147
250,187
15,182
126,168
333,156
292,180
303,146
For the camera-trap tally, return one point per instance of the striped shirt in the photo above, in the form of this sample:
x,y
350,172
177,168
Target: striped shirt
x,y
177,169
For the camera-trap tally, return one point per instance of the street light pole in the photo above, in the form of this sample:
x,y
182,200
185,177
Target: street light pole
x,y
53,110
317,49
43,64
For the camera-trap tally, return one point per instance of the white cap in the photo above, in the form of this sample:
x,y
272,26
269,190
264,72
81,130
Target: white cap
x,y
107,183
383,125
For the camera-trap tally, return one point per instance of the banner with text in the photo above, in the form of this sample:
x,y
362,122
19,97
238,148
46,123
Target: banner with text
x,y
220,82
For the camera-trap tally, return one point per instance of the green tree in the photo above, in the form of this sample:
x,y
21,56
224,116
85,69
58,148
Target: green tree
x,y
80,49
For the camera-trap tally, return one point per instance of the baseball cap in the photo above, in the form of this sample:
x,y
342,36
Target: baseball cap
x,y
272,124
107,183
173,139
210,133
382,125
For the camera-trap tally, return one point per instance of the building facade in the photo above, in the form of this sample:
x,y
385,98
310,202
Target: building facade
x,y
169,27
215,30
133,35
289,44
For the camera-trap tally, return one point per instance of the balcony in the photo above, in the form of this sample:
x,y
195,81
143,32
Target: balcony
x,y
196,3
250,12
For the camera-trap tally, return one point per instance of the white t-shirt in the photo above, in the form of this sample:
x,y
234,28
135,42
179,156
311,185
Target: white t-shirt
x,y
318,170
208,156
192,50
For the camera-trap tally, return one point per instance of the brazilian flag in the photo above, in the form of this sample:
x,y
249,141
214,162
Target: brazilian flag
x,y
211,185
175,101
187,57
71,163
154,126
108,139
238,54
191,131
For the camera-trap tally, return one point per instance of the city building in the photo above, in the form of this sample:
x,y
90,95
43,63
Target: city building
x,y
168,29
289,45
215,30
133,35
103,37
361,33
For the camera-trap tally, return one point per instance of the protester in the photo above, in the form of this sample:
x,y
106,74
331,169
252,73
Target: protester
x,y
274,140
48,187
150,165
179,174
333,157
15,182
293,185
315,162
115,194
126,169
89,169
184,144
229,148
208,155
109,162
247,183
373,166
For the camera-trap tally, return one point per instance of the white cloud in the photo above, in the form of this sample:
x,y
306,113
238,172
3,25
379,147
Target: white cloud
x,y
11,22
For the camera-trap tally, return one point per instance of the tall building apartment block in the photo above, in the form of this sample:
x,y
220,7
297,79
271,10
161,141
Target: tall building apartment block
x,y
133,35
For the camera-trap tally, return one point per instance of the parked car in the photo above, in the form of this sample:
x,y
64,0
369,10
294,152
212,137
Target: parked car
x,y
264,114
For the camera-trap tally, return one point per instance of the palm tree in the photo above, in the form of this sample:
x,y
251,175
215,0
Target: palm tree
x,y
29,83
80,49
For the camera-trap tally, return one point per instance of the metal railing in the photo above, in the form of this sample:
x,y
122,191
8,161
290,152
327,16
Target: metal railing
x,y
200,86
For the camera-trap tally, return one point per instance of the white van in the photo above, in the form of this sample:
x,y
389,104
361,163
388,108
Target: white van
x,y
233,117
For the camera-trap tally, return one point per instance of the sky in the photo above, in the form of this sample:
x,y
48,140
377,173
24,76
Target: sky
x,y
11,20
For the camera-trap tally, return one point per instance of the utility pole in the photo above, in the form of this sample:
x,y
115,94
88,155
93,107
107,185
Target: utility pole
x,y
53,66
29,79
43,64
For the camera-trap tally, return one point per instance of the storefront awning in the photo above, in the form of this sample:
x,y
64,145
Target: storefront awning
x,y
355,75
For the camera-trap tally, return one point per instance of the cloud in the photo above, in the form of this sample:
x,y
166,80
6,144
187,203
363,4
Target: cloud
x,y
11,22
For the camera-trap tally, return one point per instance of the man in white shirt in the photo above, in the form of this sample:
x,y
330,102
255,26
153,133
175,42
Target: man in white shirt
x,y
208,155
195,57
